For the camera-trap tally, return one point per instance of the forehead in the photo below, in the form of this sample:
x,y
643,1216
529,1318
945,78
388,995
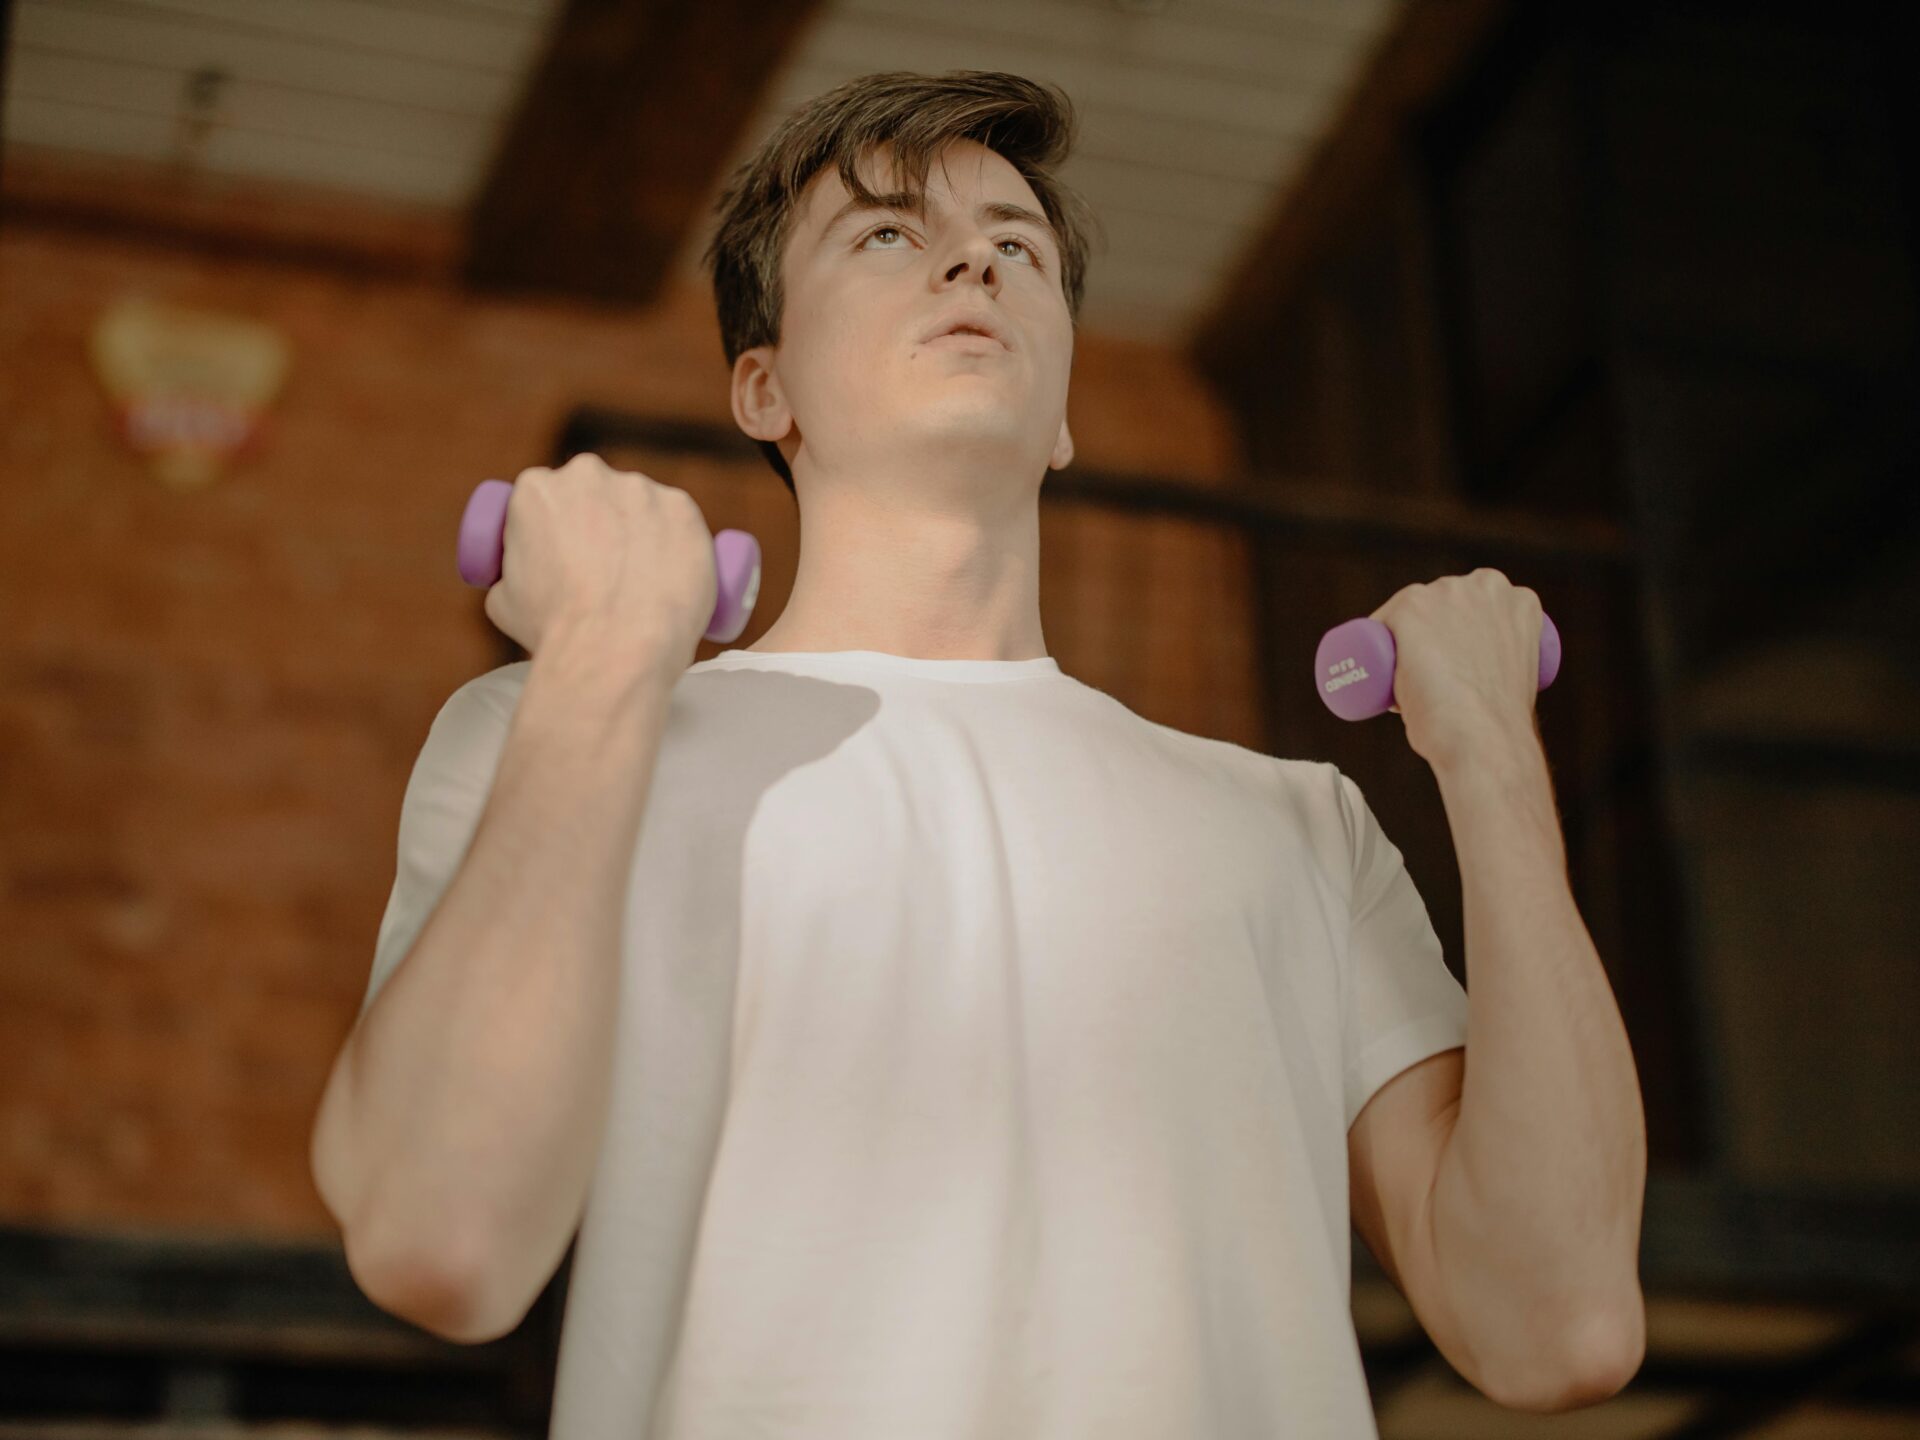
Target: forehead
x,y
965,169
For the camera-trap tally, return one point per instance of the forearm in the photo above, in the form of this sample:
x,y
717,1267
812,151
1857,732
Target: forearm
x,y
459,1129
1537,1200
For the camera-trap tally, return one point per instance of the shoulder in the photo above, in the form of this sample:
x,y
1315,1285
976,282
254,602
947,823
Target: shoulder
x,y
492,688
1313,795
480,709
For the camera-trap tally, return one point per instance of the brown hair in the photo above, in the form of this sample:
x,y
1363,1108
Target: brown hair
x,y
1029,124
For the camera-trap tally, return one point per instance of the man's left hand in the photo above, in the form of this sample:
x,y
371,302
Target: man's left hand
x,y
1466,663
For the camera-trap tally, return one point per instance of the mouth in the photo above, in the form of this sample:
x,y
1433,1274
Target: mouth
x,y
955,330
966,340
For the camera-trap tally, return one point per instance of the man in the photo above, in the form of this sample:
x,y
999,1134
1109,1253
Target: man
x,y
956,1053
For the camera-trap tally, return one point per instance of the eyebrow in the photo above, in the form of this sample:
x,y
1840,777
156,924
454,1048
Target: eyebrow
x,y
909,204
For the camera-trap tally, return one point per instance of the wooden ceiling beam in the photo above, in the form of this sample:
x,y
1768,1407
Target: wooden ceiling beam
x,y
618,139
235,215
1427,45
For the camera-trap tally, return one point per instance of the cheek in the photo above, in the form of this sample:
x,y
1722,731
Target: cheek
x,y
831,322
831,360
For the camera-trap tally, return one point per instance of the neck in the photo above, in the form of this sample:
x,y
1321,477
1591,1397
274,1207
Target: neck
x,y
935,585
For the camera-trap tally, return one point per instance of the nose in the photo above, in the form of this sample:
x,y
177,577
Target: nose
x,y
981,257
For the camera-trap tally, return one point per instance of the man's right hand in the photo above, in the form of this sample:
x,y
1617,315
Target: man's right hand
x,y
611,554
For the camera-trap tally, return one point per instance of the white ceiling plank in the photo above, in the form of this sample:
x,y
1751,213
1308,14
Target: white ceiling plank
x,y
1158,239
537,12
1341,17
1119,275
300,159
61,125
1181,146
1151,141
485,42
159,92
1164,192
855,46
74,27
1194,119
1141,247
1303,55
310,160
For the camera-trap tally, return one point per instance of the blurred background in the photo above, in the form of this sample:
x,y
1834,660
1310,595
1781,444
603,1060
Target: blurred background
x,y
1617,298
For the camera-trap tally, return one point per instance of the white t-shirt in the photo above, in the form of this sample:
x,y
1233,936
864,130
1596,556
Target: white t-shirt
x,y
985,1059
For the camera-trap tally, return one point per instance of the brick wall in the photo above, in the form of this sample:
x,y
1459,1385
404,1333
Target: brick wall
x,y
210,700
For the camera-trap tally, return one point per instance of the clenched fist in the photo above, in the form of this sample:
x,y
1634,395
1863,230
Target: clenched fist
x,y
612,555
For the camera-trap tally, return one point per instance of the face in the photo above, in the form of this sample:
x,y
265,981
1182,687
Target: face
x,y
857,387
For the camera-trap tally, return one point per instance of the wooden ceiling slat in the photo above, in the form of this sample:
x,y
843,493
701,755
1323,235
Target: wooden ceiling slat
x,y
1427,42
1293,55
1093,81
619,138
347,122
483,41
1139,234
383,174
607,173
234,155
1199,198
1116,127
189,45
1154,144
1337,17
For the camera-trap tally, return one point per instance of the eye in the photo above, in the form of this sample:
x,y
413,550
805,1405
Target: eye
x,y
1030,248
880,230
1033,251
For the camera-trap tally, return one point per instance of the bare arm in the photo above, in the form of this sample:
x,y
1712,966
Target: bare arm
x,y
460,1125
1537,1197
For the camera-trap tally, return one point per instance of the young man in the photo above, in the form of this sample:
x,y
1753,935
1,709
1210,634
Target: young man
x,y
955,1053
916,391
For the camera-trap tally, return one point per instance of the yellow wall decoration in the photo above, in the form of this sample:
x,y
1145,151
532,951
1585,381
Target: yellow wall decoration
x,y
189,387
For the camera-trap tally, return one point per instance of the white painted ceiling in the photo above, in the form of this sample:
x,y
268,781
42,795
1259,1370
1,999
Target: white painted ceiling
x,y
1195,115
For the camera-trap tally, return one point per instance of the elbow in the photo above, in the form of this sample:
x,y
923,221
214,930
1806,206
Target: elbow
x,y
1610,1354
1602,1354
445,1288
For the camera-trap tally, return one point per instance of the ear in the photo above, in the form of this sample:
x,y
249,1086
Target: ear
x,y
759,406
1062,449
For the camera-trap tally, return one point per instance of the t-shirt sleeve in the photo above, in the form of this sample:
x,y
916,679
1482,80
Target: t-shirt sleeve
x,y
1401,1002
441,809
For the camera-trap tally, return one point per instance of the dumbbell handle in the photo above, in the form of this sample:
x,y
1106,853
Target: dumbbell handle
x,y
1354,666
736,558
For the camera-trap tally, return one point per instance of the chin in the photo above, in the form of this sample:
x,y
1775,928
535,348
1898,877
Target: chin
x,y
987,433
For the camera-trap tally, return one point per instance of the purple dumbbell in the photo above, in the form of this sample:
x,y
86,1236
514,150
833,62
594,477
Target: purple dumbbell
x,y
736,558
1354,666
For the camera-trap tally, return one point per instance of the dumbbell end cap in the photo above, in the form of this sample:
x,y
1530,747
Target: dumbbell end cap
x,y
483,532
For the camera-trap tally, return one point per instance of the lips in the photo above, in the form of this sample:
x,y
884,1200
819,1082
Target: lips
x,y
967,340
976,321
